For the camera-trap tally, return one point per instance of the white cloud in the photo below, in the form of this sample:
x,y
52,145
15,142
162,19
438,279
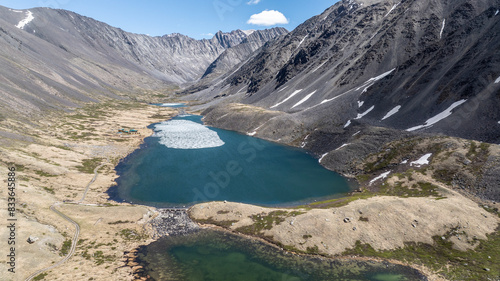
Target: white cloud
x,y
268,18
253,2
207,34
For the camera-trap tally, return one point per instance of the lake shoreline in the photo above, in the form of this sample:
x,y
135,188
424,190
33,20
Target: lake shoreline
x,y
425,271
137,266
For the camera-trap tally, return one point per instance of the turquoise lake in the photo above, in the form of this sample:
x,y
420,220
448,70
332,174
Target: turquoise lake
x,y
185,163
218,256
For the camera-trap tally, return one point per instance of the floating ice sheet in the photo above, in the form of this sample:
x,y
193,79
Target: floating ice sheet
x,y
184,134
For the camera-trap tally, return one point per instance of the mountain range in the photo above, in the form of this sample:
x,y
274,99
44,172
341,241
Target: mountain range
x,y
57,59
429,66
382,68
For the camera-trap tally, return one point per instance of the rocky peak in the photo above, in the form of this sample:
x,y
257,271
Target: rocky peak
x,y
229,39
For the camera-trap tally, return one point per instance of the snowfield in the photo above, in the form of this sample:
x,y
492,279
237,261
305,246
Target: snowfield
x,y
304,99
424,160
381,177
438,117
291,96
361,115
24,22
392,112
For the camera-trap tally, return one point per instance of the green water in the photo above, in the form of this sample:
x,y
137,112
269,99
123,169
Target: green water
x,y
191,163
213,255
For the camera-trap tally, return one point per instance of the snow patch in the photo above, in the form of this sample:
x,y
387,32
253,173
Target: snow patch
x,y
223,116
361,115
360,103
185,134
255,131
392,9
496,13
357,133
442,29
334,98
424,160
248,32
438,117
291,96
365,85
347,124
498,80
392,112
302,41
342,146
283,89
317,68
304,99
323,156
372,81
16,11
404,162
24,22
381,177
304,143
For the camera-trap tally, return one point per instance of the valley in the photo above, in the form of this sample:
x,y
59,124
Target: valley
x,y
400,97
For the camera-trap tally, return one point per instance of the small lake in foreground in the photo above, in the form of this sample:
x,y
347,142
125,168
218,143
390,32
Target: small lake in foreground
x,y
185,163
219,256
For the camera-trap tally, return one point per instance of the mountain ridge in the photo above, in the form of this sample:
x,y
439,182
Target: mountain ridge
x,y
89,60
359,60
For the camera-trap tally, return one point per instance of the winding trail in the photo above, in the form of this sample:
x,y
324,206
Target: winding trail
x,y
77,227
73,243
91,181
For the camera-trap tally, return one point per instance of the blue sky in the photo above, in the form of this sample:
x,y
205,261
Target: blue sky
x,y
195,18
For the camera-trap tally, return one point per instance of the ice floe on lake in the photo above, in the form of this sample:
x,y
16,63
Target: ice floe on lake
x,y
184,134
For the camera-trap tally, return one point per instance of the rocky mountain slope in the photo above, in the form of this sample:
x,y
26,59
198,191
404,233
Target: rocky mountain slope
x,y
54,59
233,56
429,66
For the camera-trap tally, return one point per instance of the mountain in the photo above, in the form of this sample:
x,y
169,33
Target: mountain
x,y
427,66
55,59
233,56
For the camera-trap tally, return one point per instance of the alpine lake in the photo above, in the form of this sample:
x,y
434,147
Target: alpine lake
x,y
186,162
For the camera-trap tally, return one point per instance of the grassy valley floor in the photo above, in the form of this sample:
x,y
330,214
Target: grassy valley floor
x,y
54,163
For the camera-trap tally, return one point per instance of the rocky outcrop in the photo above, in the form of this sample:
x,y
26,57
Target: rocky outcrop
x,y
171,222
